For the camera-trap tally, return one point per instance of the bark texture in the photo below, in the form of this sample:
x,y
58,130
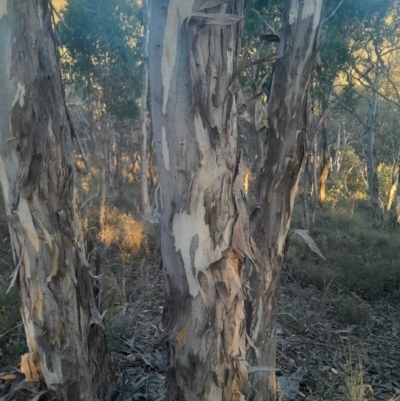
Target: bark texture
x,y
222,333
194,52
277,183
64,329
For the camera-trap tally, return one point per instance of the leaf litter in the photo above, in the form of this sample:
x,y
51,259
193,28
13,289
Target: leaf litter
x,y
317,355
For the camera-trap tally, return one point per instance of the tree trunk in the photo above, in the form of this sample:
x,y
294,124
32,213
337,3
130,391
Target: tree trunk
x,y
325,163
204,224
308,205
308,175
143,112
103,196
396,206
64,329
277,183
315,168
393,187
372,176
213,321
204,221
392,192
338,153
393,204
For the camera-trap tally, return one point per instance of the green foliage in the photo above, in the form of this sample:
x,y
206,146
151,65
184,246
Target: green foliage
x,y
262,17
103,52
359,257
12,336
349,97
384,173
350,183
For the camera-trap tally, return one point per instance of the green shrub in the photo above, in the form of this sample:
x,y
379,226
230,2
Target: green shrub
x,y
12,336
359,257
351,313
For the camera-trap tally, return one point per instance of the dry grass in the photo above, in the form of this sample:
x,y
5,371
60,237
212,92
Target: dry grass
x,y
355,387
122,231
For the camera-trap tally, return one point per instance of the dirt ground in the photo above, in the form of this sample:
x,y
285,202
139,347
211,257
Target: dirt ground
x,y
319,356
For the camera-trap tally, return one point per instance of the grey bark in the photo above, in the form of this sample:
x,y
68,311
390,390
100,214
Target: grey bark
x,y
64,329
277,183
204,232
221,333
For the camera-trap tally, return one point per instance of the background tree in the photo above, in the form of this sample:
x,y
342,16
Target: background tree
x,y
372,29
143,111
263,20
101,64
64,330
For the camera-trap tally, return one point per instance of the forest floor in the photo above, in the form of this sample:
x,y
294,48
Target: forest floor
x,y
318,356
332,344
332,360
321,358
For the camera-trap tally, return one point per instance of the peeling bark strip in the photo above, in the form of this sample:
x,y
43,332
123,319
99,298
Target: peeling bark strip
x,y
194,48
277,183
64,332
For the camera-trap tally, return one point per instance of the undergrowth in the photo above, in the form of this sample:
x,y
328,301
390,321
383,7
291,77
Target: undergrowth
x,y
359,257
12,335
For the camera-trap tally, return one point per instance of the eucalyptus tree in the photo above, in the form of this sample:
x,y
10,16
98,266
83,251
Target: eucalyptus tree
x,y
220,270
341,23
101,65
375,43
64,330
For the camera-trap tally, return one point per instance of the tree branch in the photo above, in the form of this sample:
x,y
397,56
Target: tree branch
x,y
333,13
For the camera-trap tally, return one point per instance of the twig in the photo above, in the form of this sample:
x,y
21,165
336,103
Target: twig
x,y
58,15
18,325
334,12
237,72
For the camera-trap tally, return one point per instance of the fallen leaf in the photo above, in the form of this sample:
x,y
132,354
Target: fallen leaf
x,y
8,376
